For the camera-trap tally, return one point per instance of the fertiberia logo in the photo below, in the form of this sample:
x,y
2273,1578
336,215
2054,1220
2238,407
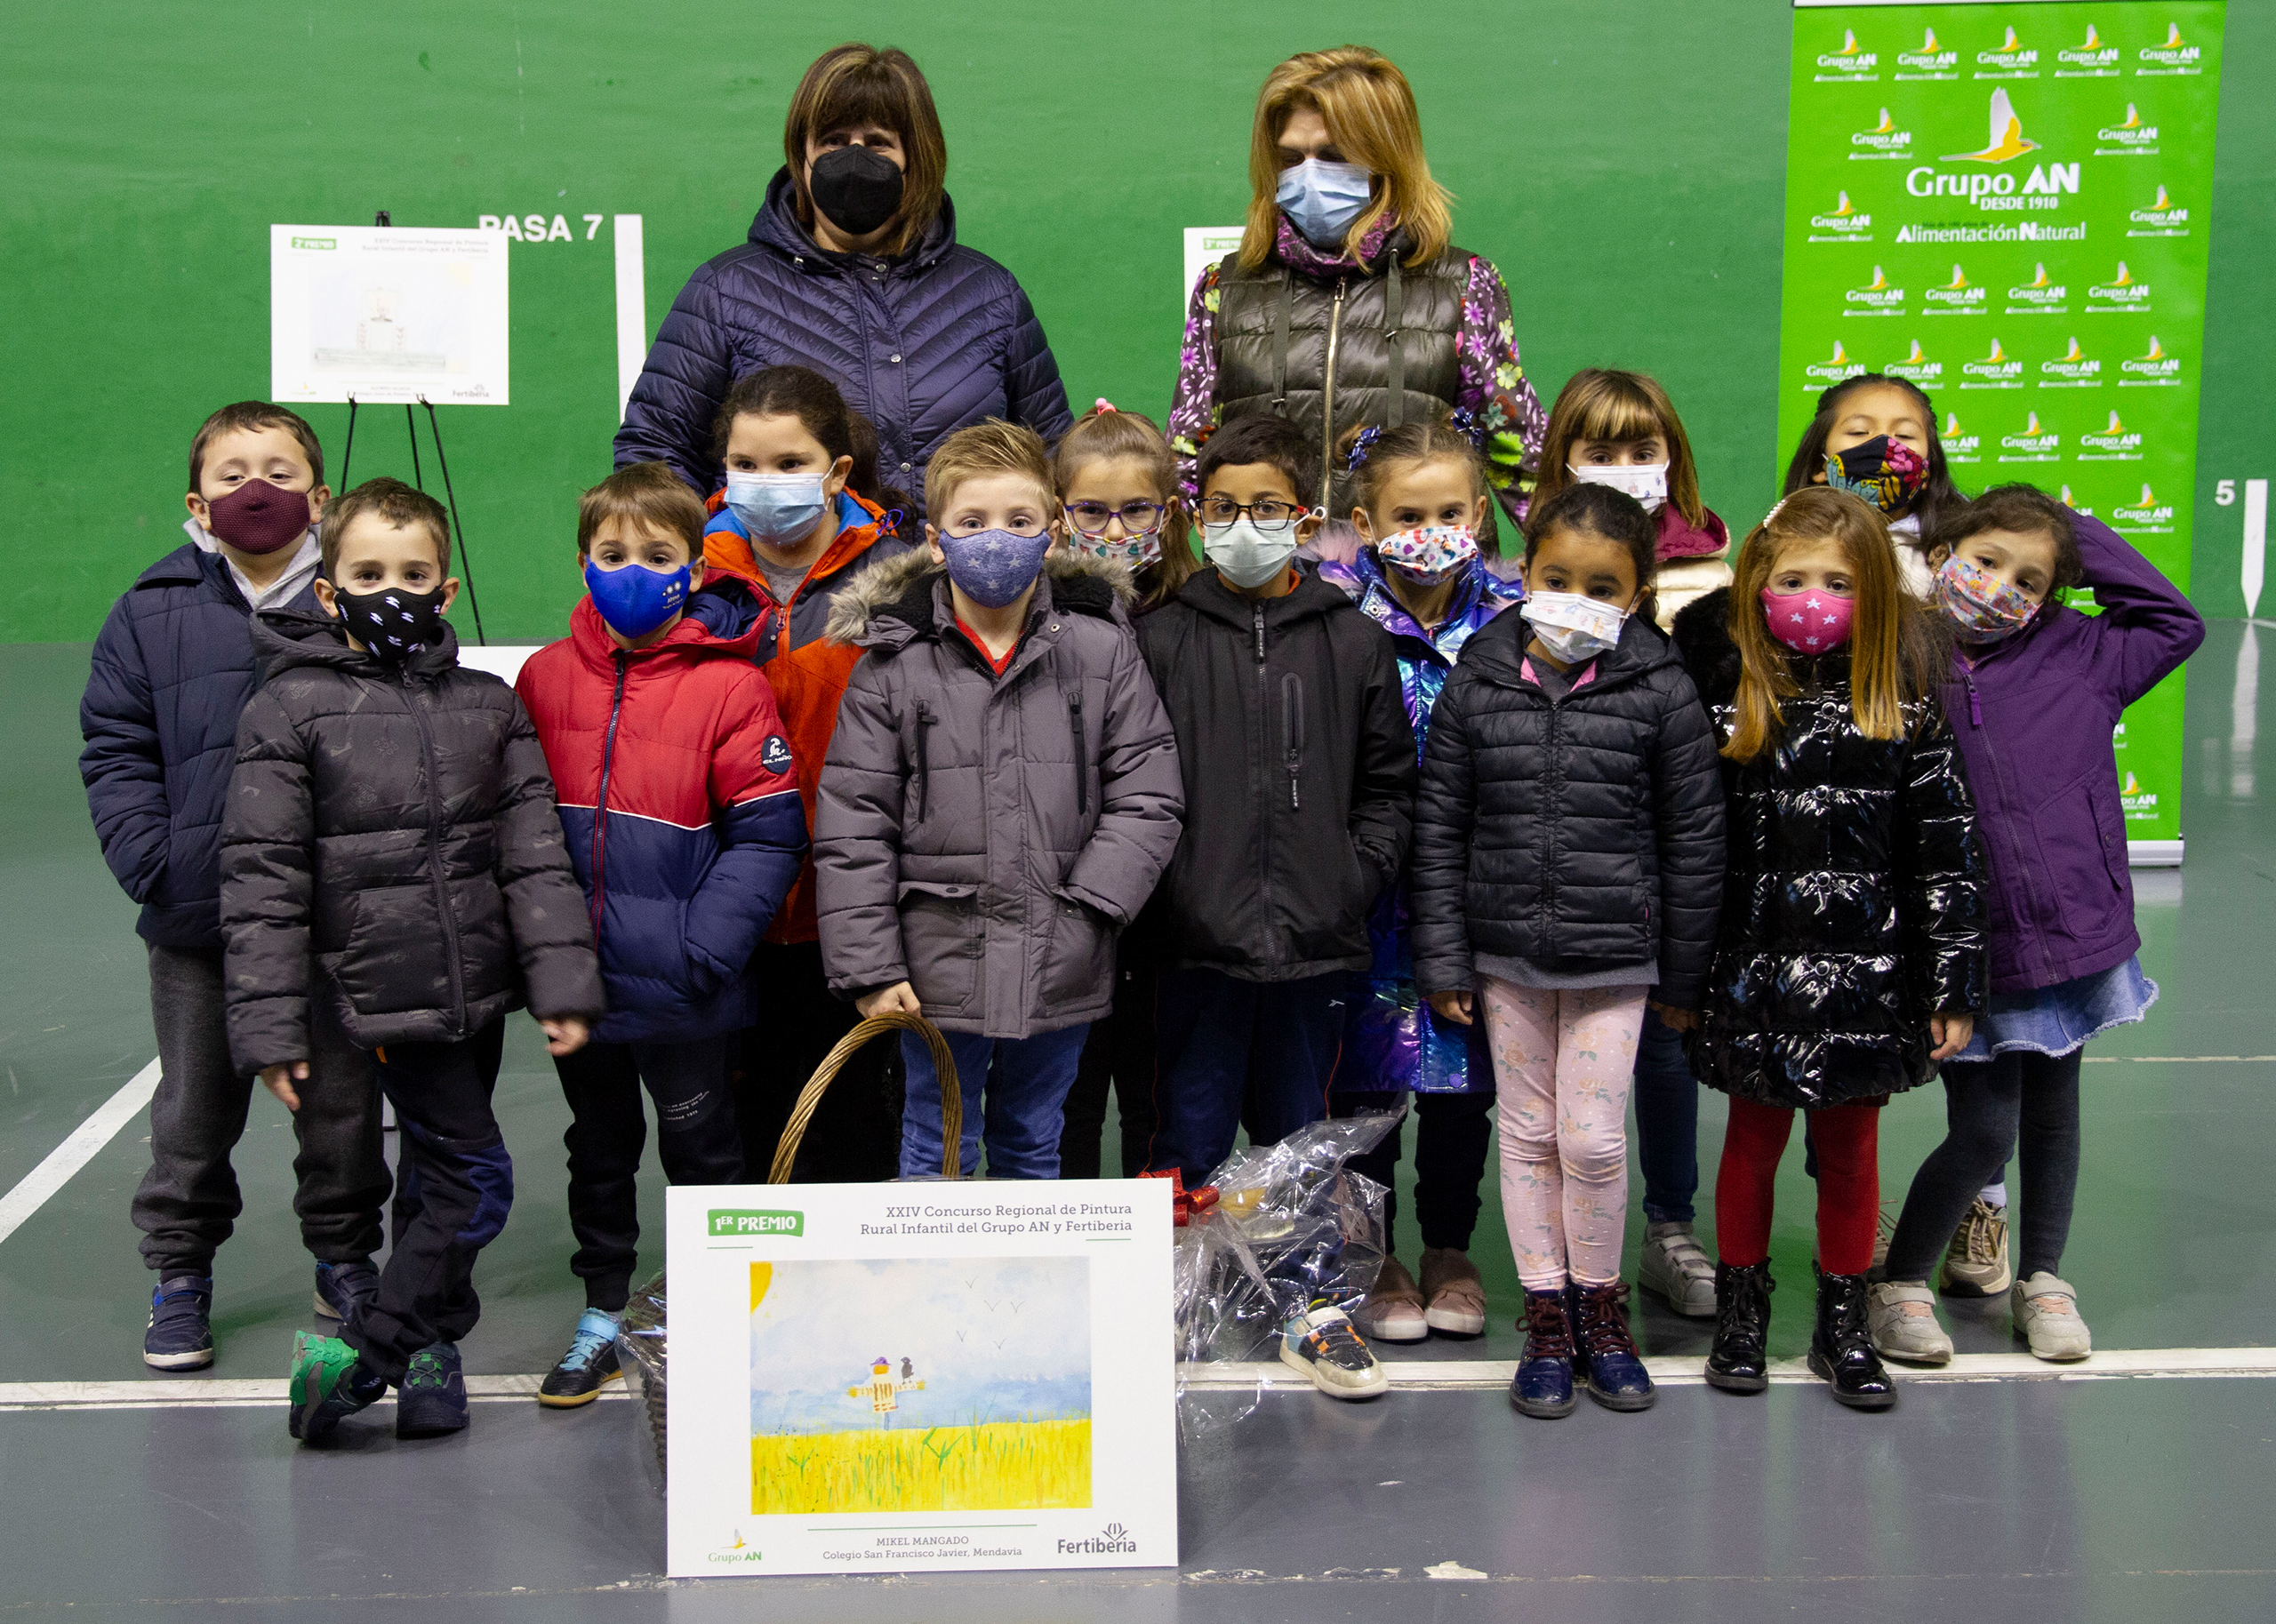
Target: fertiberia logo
x,y
1851,64
1883,140
1113,1539
2134,139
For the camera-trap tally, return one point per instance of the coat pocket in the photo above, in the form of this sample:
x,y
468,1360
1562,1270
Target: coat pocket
x,y
942,940
396,957
1078,961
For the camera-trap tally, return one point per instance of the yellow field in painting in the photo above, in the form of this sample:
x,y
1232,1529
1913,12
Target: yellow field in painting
x,y
997,1466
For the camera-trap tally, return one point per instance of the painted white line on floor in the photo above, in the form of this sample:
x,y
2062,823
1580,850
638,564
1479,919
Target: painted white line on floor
x,y
2179,1059
76,1152
193,1393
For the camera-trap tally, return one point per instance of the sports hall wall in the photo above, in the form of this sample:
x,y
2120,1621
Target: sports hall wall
x,y
1622,160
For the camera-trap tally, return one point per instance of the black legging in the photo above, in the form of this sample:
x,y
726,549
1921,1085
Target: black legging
x,y
2018,1103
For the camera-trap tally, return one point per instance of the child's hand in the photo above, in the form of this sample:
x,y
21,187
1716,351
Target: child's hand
x,y
1674,1020
278,1080
1950,1034
899,999
1452,1006
566,1035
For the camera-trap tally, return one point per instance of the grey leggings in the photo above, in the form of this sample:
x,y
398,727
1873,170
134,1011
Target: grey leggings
x,y
2018,1103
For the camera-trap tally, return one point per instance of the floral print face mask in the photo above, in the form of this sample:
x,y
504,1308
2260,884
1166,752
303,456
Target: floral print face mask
x,y
1430,555
1982,608
1887,473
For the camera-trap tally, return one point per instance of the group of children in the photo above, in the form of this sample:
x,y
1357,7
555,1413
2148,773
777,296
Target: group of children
x,y
1124,795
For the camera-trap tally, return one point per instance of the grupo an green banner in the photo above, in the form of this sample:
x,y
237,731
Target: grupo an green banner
x,y
2006,203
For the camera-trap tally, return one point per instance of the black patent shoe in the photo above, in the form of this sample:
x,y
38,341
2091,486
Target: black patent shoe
x,y
1841,1349
1739,1361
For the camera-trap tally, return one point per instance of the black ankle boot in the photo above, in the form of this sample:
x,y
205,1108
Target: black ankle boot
x,y
1841,1351
1739,1361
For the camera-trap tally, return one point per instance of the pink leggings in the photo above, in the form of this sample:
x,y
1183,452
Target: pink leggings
x,y
1563,1060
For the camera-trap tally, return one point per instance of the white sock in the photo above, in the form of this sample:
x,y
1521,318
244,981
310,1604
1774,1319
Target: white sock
x,y
1996,1195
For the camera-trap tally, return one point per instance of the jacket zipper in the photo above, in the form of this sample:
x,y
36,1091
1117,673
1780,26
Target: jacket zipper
x,y
600,811
1082,779
924,720
1264,823
1550,852
452,955
1292,732
1327,404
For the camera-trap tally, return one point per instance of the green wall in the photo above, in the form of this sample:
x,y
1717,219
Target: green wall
x,y
1623,164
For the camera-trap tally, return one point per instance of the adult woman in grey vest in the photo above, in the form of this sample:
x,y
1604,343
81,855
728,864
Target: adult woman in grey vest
x,y
1346,303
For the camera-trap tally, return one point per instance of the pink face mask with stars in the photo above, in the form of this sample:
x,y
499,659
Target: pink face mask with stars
x,y
1808,622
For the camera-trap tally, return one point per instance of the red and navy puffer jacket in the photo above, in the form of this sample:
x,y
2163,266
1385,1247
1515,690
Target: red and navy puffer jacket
x,y
680,804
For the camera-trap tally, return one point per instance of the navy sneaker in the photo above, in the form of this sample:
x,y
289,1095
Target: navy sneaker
x,y
430,1401
1544,1385
341,1286
589,1365
180,1336
1605,1354
327,1386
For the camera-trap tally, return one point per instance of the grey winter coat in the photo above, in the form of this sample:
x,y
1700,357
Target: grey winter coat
x,y
391,845
985,838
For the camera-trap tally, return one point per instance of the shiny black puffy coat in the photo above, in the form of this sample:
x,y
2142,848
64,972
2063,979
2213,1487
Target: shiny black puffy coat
x,y
1852,896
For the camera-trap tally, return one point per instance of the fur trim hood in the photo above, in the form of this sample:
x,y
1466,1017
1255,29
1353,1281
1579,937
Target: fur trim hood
x,y
901,589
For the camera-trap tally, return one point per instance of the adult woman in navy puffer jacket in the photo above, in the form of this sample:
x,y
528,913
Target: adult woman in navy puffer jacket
x,y
851,268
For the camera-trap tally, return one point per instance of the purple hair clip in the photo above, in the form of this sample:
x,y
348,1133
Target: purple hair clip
x,y
1464,422
1361,445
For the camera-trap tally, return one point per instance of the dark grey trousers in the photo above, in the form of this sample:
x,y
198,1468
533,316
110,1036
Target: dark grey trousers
x,y
188,1201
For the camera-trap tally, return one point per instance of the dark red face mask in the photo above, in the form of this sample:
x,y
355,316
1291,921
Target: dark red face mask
x,y
258,516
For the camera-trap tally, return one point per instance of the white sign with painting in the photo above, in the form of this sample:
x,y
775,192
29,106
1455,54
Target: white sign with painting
x,y
381,313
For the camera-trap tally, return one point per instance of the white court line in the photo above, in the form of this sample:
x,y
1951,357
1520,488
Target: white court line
x,y
164,1393
76,1152
2179,1059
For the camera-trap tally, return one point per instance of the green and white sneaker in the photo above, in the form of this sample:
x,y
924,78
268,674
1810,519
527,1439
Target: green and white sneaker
x,y
327,1386
1321,1343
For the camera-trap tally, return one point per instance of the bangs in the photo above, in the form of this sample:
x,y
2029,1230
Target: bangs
x,y
1618,411
863,95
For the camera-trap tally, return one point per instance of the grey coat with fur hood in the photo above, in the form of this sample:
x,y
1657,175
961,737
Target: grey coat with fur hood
x,y
985,838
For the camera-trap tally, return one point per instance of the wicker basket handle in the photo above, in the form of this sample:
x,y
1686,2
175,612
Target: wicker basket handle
x,y
944,1068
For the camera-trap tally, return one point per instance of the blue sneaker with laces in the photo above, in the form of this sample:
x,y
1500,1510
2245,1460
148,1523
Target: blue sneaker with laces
x,y
341,1286
589,1365
1606,1354
1543,1387
180,1336
431,1400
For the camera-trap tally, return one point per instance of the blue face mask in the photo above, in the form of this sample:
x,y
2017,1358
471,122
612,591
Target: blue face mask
x,y
995,566
782,508
634,599
1322,198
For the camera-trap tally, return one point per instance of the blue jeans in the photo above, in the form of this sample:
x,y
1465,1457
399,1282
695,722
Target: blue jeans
x,y
1026,1093
1667,1123
1219,1038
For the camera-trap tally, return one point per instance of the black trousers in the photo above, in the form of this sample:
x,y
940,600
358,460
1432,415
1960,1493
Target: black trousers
x,y
696,1139
1452,1134
455,1189
1124,1053
2018,1103
855,1136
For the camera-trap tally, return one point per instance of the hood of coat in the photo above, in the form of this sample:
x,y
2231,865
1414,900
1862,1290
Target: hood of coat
x,y
890,603
861,525
287,638
1497,652
776,225
1207,594
1680,538
724,619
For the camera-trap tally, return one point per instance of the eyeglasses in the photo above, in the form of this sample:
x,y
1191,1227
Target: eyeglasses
x,y
1268,516
1138,518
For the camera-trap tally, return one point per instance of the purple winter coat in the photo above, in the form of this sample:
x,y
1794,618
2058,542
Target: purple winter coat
x,y
2034,718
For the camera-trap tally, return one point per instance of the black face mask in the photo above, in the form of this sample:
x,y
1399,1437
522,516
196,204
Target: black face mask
x,y
857,188
394,624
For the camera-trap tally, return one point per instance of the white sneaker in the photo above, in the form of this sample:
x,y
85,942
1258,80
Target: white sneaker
x,y
1677,1267
1884,1232
2046,1316
1393,1311
1321,1343
1902,1321
1976,1263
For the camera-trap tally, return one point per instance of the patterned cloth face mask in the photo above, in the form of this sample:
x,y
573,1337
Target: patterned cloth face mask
x,y
1574,628
1887,473
1430,555
1809,621
1982,608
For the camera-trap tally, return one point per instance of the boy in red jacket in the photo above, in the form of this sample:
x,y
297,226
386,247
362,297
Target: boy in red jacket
x,y
681,809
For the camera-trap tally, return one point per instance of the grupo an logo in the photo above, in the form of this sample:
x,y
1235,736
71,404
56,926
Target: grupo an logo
x,y
1959,295
1996,370
1113,1539
2138,801
2132,139
1959,446
1917,368
2175,56
1877,298
2154,367
2011,59
2115,443
2075,506
2036,442
2163,218
1883,140
1833,369
2147,513
2120,293
1851,61
1931,61
2040,296
2091,59
2043,188
2072,369
1845,222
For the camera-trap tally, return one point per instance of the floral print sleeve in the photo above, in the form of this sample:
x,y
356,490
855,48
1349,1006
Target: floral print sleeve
x,y
1193,410
1509,420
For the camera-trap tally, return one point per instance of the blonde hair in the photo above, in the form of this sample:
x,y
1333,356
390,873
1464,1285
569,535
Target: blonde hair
x,y
1107,432
854,84
1369,110
1601,403
649,495
991,447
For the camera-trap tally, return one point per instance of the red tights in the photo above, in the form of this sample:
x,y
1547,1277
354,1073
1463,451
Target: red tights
x,y
1847,1138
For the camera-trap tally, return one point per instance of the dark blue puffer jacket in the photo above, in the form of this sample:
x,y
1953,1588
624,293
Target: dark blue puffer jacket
x,y
172,670
923,345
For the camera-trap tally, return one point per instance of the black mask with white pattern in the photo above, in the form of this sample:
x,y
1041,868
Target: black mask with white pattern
x,y
393,623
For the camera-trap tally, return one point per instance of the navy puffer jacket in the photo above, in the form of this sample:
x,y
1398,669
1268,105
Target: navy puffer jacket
x,y
923,345
172,669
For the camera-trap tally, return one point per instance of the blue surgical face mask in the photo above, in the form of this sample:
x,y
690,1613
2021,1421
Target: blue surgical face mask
x,y
634,599
994,566
1321,199
781,509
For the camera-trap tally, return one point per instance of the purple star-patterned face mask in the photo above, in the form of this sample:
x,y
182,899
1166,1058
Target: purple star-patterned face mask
x,y
1810,621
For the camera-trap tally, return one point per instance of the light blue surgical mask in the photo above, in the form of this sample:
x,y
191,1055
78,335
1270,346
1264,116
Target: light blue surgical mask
x,y
781,509
1321,199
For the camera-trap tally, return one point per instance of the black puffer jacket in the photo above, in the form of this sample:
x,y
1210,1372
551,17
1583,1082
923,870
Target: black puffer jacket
x,y
1578,833
1300,776
1854,907
395,840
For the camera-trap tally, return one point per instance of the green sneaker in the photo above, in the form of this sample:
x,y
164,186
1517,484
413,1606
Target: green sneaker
x,y
326,1386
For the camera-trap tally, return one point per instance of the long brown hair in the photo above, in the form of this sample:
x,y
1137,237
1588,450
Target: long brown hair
x,y
1369,110
856,84
1891,653
1600,403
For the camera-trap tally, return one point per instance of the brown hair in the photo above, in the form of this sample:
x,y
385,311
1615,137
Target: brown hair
x,y
651,495
1106,432
805,394
2020,510
1600,403
1371,455
1891,656
391,501
991,447
1616,516
856,84
251,414
1369,110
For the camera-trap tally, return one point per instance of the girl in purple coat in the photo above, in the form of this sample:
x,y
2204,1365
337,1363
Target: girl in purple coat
x,y
2035,690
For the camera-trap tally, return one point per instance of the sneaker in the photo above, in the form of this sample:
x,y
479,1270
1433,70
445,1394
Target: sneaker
x,y
327,1386
588,1367
1543,1387
431,1399
1453,1298
341,1286
1604,1354
180,1336
1393,1310
2046,1317
1678,1269
1884,1232
1976,1263
1321,1343
1902,1318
